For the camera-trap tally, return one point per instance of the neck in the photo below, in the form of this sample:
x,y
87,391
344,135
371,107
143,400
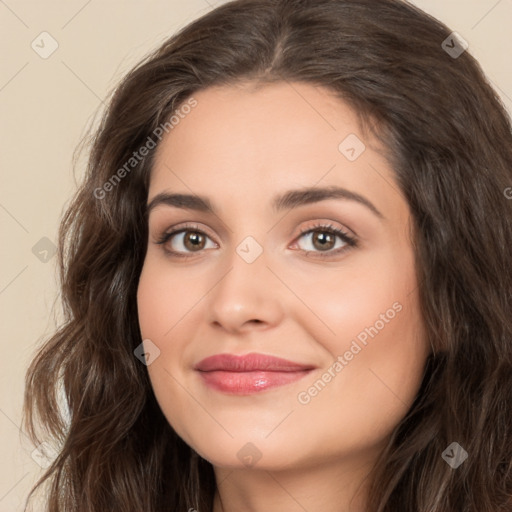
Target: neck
x,y
339,487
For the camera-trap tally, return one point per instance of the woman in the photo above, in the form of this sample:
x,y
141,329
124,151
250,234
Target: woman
x,y
287,276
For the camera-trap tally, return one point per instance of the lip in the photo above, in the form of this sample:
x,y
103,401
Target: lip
x,y
249,363
250,373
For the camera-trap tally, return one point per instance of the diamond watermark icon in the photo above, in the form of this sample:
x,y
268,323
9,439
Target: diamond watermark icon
x,y
249,249
147,352
44,45
44,250
249,454
44,454
454,45
454,455
351,147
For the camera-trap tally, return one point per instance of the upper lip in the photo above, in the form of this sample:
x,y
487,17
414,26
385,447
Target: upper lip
x,y
249,363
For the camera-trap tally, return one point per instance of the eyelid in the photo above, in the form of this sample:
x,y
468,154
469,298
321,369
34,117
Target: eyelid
x,y
327,225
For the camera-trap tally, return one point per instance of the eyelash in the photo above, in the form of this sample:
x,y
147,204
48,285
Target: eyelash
x,y
349,240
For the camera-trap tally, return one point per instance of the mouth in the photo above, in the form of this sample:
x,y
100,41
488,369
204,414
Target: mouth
x,y
248,374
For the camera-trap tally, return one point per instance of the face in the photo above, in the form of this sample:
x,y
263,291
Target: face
x,y
277,230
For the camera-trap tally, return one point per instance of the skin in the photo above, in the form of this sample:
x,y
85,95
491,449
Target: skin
x,y
241,146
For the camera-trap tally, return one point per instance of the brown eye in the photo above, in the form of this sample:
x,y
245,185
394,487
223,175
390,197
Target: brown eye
x,y
323,240
184,242
194,240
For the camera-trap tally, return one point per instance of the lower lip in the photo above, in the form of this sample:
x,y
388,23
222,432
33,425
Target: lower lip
x,y
246,383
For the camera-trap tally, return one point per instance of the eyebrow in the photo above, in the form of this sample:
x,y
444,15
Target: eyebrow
x,y
288,200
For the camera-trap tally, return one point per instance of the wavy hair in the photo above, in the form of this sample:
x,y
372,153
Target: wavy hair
x,y
449,141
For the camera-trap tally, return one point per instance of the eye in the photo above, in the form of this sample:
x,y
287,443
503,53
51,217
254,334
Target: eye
x,y
186,240
325,240
321,240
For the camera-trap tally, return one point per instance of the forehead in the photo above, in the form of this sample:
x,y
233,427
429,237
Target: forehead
x,y
255,141
285,120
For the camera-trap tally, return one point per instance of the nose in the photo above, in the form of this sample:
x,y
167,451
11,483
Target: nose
x,y
247,297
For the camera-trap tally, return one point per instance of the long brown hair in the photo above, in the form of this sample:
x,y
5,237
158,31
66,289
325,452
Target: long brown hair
x,y
450,144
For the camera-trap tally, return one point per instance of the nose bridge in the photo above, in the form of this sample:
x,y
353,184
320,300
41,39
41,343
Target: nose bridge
x,y
248,291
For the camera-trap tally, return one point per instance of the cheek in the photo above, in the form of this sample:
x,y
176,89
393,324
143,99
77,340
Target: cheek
x,y
163,300
152,301
367,294
371,320
164,297
379,353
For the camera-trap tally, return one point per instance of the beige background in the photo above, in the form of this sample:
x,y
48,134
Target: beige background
x,y
45,106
